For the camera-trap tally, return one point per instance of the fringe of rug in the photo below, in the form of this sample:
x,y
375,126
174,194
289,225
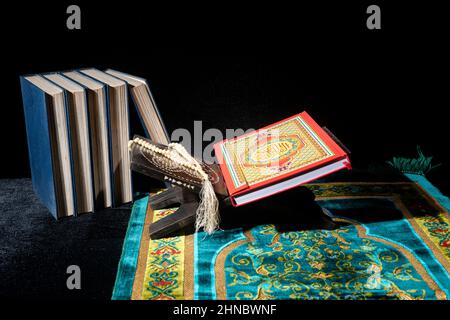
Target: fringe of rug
x,y
420,165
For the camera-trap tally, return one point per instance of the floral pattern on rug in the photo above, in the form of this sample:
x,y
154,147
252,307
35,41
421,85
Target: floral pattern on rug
x,y
320,265
163,279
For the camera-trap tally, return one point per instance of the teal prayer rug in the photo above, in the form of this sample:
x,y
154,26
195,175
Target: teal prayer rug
x,y
393,243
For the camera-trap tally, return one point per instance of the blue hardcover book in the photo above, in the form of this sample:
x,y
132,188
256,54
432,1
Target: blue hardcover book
x,y
76,106
96,95
119,134
48,135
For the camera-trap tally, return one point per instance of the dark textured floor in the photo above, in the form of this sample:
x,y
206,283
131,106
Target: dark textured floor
x,y
36,250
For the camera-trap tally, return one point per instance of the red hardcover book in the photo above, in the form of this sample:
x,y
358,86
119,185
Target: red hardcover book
x,y
278,157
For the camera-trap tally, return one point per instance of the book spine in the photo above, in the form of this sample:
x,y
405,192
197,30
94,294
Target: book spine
x,y
106,91
69,125
157,113
134,101
89,126
110,145
127,108
39,144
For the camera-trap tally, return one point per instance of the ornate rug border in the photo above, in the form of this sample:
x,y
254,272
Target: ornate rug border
x,y
130,250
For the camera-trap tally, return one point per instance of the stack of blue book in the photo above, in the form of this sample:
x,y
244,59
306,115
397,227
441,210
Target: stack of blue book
x,y
78,128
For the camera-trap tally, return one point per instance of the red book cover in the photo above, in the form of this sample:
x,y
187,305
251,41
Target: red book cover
x,y
291,147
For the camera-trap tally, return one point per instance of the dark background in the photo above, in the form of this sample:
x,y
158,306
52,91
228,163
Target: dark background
x,y
382,92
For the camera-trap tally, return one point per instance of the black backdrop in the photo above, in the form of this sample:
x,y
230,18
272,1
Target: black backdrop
x,y
382,92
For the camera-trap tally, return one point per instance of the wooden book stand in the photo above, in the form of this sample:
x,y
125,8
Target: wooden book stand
x,y
183,191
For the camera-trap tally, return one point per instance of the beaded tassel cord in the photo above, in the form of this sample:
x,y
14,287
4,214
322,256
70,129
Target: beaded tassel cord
x,y
207,216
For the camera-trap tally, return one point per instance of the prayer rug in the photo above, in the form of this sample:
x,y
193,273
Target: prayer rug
x,y
393,243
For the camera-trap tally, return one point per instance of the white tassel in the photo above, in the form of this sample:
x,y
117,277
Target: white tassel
x,y
207,214
207,211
